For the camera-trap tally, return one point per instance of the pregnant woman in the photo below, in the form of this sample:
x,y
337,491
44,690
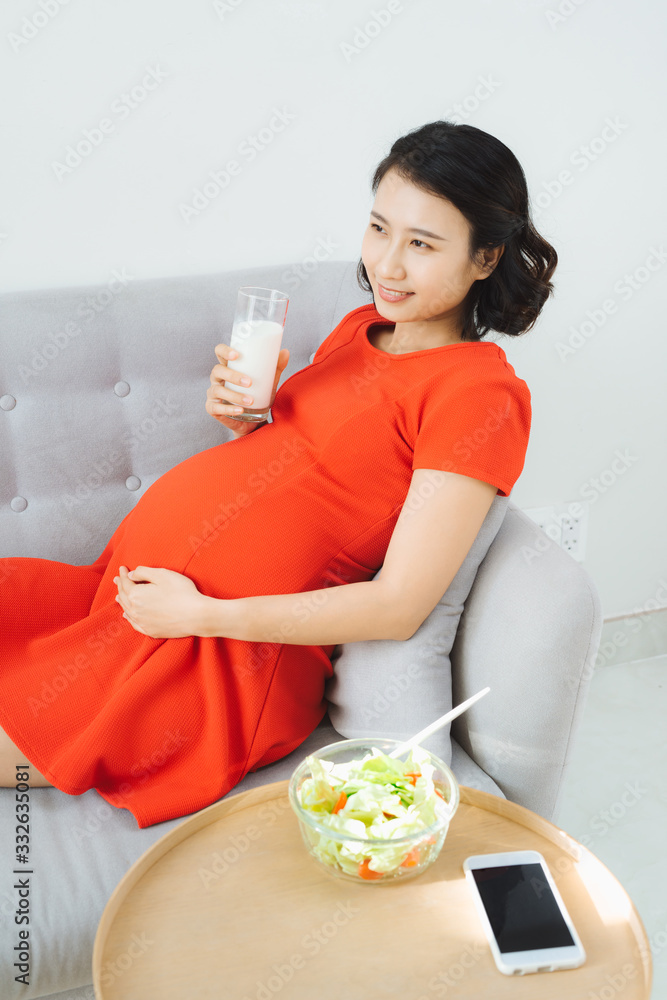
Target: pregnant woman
x,y
197,646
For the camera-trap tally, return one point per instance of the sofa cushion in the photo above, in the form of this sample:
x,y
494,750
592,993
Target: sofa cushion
x,y
389,688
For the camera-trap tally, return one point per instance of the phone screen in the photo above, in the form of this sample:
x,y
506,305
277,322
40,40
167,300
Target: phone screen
x,y
521,908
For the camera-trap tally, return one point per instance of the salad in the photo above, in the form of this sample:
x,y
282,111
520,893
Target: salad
x,y
378,798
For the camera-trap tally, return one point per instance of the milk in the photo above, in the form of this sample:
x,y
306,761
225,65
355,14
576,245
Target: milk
x,y
258,343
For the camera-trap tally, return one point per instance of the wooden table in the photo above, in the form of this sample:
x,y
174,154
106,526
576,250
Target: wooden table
x,y
229,904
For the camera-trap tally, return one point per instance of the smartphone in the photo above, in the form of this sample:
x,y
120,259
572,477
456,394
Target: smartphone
x,y
524,917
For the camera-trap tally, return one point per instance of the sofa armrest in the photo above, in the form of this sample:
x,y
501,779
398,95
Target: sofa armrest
x,y
531,630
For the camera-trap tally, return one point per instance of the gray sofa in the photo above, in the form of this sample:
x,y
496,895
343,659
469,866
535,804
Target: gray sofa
x,y
72,466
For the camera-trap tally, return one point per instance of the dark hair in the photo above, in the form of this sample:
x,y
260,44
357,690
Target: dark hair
x,y
482,177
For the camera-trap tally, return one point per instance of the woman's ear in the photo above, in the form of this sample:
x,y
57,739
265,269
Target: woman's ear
x,y
490,258
486,260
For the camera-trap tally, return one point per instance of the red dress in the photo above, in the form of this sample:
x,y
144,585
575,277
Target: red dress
x,y
164,727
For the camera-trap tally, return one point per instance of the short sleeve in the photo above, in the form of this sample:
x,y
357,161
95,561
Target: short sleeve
x,y
479,428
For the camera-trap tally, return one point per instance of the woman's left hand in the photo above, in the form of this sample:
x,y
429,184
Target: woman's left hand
x,y
160,603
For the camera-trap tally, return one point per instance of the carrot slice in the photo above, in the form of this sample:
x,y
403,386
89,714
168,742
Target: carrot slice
x,y
413,775
411,859
342,799
366,872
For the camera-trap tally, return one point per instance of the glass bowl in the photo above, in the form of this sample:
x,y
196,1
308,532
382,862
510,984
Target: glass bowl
x,y
352,857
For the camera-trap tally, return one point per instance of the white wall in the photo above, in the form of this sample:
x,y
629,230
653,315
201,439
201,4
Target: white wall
x,y
220,72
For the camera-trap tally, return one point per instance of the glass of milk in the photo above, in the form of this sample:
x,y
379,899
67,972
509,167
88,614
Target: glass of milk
x,y
257,334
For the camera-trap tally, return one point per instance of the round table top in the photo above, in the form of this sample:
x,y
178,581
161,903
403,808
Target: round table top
x,y
230,904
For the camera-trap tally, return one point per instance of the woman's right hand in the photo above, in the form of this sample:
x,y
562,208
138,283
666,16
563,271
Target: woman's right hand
x,y
222,403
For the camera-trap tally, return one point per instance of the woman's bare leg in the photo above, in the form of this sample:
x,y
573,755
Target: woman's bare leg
x,y
10,756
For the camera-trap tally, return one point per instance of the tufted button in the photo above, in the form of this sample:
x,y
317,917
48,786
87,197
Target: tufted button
x,y
7,402
133,482
121,388
19,504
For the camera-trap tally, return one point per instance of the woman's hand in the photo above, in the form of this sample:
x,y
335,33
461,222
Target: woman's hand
x,y
160,603
222,402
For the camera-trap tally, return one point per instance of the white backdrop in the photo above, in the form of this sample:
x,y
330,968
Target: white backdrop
x,y
162,138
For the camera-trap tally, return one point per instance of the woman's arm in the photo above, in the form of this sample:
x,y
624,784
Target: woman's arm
x,y
167,605
346,613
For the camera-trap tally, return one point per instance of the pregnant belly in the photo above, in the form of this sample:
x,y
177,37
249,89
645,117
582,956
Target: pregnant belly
x,y
234,518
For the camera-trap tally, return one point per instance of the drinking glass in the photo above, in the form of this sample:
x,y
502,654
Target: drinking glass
x,y
257,334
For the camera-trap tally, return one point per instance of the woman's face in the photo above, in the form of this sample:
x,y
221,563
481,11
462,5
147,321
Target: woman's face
x,y
433,268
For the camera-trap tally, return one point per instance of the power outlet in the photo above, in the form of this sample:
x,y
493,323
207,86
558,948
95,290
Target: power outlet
x,y
574,530
566,524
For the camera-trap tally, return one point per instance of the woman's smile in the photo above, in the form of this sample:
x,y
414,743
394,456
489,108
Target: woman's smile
x,y
391,296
